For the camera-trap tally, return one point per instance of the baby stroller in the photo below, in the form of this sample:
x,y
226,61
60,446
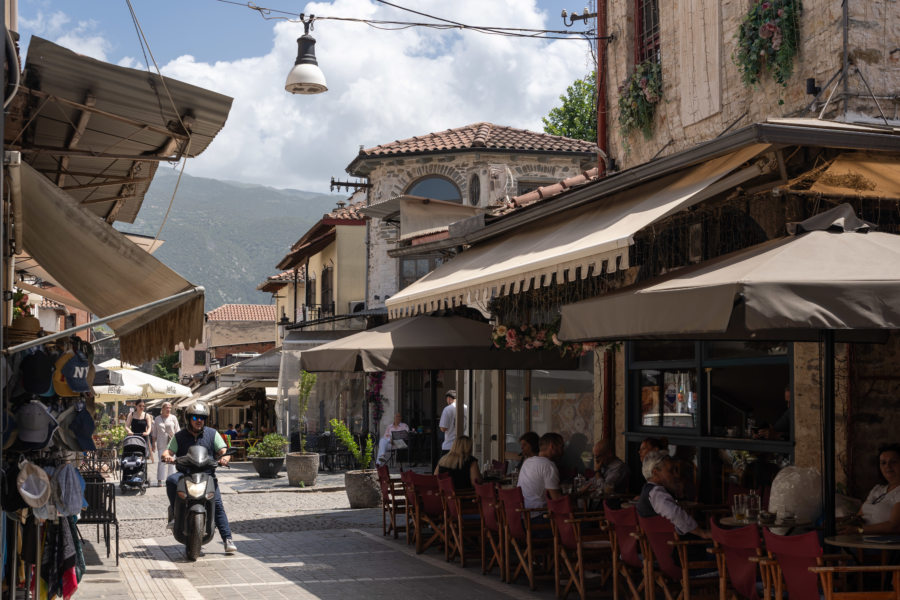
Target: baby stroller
x,y
134,463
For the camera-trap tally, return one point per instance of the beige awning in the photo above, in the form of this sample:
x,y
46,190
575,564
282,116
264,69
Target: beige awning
x,y
422,216
107,272
592,238
863,174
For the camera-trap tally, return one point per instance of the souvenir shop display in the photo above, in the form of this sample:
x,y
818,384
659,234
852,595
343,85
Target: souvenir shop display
x,y
47,432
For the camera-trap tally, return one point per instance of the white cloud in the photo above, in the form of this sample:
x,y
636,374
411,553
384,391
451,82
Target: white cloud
x,y
383,86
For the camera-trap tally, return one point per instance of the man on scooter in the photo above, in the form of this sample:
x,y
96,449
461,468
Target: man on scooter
x,y
196,432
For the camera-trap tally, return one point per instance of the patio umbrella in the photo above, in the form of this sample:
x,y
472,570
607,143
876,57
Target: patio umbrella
x,y
425,343
153,386
833,277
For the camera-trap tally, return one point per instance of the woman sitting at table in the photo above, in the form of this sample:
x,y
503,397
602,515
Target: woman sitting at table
x,y
460,464
528,442
880,512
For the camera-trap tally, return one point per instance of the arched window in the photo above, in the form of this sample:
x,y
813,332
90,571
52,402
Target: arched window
x,y
436,188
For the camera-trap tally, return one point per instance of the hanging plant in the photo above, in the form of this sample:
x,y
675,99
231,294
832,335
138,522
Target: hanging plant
x,y
374,397
768,40
638,97
518,338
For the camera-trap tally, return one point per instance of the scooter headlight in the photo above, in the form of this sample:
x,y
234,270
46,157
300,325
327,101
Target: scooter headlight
x,y
195,490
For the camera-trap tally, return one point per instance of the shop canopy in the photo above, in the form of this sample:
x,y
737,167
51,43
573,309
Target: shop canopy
x,y
834,275
583,242
425,343
107,272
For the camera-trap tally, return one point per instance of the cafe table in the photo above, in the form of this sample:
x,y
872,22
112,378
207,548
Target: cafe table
x,y
790,525
882,543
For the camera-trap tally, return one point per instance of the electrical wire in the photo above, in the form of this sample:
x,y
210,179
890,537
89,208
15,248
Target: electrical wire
x,y
548,34
187,148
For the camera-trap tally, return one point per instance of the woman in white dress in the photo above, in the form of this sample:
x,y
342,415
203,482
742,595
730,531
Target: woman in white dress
x,y
165,426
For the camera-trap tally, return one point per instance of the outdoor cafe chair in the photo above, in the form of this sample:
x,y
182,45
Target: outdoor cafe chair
x,y
523,537
577,547
826,577
410,512
733,550
393,502
491,533
626,559
429,512
789,564
394,451
660,544
461,521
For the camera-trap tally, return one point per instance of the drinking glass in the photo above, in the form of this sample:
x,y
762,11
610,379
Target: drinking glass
x,y
753,506
739,508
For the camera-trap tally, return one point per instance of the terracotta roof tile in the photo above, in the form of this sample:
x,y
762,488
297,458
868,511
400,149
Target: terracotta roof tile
x,y
349,212
48,303
546,192
481,135
242,312
273,283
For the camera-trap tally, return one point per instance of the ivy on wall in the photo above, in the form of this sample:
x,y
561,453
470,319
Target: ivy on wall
x,y
768,41
638,96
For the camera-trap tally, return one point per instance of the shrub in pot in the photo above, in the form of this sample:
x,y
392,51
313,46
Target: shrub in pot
x,y
303,466
363,490
268,455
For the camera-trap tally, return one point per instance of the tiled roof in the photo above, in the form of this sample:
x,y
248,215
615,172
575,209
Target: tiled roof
x,y
349,212
481,135
242,312
273,283
546,192
48,303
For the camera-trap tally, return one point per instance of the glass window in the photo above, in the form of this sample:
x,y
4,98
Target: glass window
x,y
474,189
726,350
515,416
750,401
669,398
562,402
199,357
413,268
437,188
646,43
659,350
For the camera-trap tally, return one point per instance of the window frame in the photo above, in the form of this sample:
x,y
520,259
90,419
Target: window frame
x,y
646,45
460,199
434,261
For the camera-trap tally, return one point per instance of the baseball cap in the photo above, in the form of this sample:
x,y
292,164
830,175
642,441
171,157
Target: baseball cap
x,y
77,373
82,426
66,438
33,484
450,394
60,385
37,372
68,487
35,426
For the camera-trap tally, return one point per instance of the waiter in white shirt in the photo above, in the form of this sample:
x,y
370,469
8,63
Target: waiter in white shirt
x,y
448,421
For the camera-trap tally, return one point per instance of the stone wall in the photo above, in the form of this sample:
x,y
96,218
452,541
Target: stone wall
x,y
703,94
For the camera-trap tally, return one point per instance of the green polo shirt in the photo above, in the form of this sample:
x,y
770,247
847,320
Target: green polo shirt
x,y
218,444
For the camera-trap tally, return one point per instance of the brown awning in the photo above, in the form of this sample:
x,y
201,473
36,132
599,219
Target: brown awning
x,y
425,343
789,288
107,272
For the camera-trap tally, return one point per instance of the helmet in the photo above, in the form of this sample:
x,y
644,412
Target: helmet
x,y
197,408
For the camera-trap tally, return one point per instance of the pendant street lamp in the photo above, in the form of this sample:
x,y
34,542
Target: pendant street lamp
x,y
306,77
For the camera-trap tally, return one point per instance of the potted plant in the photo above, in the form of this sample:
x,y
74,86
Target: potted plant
x,y
303,466
363,490
268,455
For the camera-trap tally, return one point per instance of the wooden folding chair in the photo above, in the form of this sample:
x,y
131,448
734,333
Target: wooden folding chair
x,y
462,530
626,560
658,540
529,541
410,513
429,512
577,547
393,502
491,529
733,551
826,577
790,563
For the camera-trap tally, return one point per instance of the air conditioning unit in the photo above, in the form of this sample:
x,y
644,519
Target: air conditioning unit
x,y
356,306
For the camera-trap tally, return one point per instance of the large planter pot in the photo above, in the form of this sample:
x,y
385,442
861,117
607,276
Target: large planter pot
x,y
363,489
268,467
302,468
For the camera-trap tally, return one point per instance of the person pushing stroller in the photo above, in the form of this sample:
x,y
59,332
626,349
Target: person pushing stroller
x,y
196,432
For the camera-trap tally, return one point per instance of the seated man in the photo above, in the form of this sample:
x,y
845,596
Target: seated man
x,y
387,439
539,474
231,432
658,495
610,473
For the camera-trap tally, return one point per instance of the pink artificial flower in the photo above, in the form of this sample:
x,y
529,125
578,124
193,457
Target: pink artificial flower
x,y
556,340
765,6
780,12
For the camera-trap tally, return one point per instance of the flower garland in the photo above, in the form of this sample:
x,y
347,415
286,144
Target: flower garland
x,y
531,337
374,397
638,97
21,308
767,40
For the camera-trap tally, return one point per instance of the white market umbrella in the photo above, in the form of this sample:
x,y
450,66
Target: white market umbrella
x,y
153,387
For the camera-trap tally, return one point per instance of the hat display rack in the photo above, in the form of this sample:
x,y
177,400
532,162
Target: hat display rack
x,y
46,426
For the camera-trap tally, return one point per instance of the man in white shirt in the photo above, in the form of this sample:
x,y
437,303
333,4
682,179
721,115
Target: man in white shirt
x,y
657,499
539,475
448,421
386,440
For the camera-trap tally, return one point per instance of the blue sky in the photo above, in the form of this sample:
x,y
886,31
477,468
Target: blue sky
x,y
383,85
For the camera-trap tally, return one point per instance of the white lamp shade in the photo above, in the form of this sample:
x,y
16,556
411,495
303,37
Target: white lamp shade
x,y
306,79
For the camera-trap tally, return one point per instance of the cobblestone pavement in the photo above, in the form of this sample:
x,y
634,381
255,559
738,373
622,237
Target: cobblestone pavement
x,y
292,543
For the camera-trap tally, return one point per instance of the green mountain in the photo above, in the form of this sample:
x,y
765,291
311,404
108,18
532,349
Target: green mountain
x,y
226,236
